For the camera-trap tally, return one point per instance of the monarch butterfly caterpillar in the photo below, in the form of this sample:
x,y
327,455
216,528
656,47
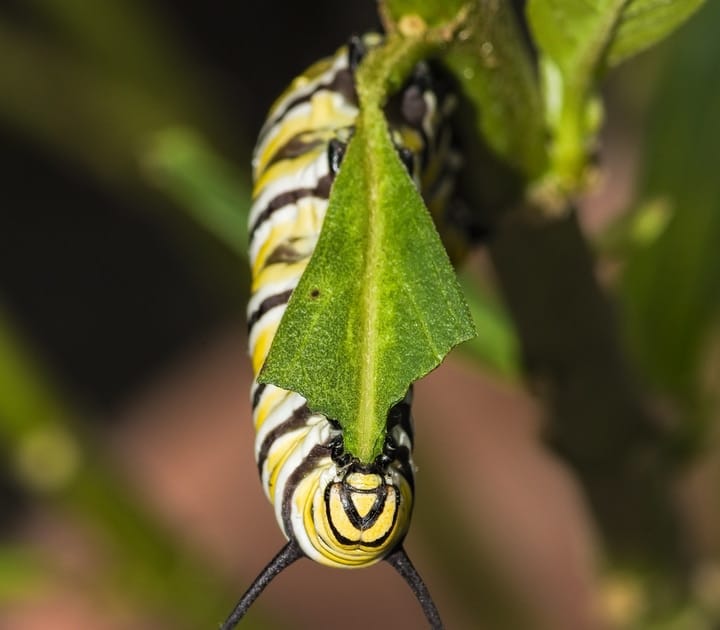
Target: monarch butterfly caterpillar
x,y
331,508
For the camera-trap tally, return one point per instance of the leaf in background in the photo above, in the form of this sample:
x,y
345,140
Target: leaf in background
x,y
53,460
578,41
22,574
583,37
180,162
646,22
671,290
129,39
636,229
496,346
97,82
378,306
494,71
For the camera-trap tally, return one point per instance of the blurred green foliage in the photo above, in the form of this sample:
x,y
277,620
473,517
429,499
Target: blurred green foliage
x,y
671,287
111,90
54,459
214,192
22,574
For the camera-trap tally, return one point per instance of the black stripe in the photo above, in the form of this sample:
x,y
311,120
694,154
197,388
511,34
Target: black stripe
x,y
342,82
402,465
316,454
297,419
286,253
357,49
297,145
257,394
346,541
267,304
400,414
321,191
357,521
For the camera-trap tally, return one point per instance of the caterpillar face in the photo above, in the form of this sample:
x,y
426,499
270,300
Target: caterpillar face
x,y
341,512
346,514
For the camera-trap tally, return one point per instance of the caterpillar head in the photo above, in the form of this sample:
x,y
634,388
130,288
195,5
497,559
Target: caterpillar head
x,y
360,517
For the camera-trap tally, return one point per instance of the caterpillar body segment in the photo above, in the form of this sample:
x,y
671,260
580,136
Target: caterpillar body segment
x,y
331,507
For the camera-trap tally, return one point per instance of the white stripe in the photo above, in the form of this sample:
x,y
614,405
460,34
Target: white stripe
x,y
306,177
339,63
268,289
279,414
272,317
319,430
287,214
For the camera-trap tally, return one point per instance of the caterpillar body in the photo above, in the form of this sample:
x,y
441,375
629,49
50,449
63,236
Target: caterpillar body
x,y
331,507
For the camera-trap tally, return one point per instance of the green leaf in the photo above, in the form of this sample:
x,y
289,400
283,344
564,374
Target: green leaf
x,y
378,306
578,42
646,22
583,38
493,68
181,162
434,12
671,289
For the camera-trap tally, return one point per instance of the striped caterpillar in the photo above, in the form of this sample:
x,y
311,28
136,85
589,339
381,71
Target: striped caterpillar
x,y
331,507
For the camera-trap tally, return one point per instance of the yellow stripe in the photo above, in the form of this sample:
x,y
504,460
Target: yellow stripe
x,y
324,114
303,497
267,403
312,73
306,225
278,272
285,168
411,139
276,460
262,346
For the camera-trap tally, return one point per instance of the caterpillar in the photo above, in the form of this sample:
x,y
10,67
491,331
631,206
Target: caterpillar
x,y
331,508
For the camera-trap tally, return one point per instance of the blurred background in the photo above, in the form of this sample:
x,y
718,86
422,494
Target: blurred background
x,y
129,498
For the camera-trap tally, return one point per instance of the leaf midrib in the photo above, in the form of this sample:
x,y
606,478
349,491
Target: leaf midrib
x,y
369,303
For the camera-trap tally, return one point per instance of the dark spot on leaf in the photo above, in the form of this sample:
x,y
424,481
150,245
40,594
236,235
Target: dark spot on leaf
x,y
315,293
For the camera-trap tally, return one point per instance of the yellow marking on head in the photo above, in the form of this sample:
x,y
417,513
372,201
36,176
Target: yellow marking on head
x,y
364,481
363,502
328,520
384,522
338,517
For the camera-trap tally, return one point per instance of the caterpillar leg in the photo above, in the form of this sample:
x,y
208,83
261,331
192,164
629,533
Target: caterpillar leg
x,y
400,561
288,554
